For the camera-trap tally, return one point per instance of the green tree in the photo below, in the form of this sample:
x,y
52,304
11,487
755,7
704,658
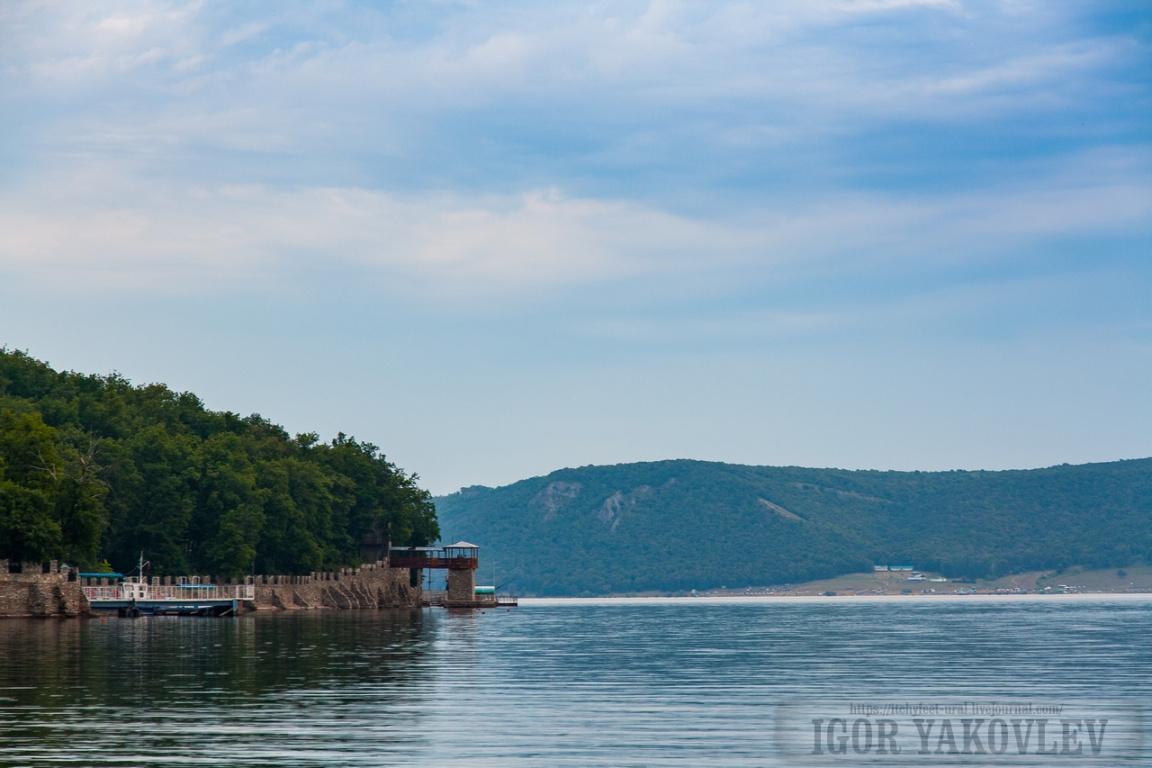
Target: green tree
x,y
298,516
229,512
28,530
80,495
28,464
95,467
28,450
232,548
153,477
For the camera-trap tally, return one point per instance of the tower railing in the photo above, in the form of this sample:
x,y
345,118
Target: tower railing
x,y
403,559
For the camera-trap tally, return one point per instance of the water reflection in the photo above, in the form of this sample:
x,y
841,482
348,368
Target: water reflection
x,y
625,684
211,691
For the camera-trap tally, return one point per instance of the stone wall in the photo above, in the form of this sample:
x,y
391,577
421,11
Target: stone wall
x,y
461,587
35,593
370,586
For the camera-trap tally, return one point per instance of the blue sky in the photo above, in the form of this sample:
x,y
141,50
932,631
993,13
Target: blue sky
x,y
501,238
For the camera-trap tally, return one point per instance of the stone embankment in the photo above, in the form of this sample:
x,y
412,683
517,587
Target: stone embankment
x,y
36,591
48,591
370,586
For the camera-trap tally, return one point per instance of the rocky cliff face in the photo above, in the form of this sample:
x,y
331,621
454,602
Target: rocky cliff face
x,y
555,496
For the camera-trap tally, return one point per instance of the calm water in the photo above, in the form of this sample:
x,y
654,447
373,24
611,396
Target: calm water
x,y
690,683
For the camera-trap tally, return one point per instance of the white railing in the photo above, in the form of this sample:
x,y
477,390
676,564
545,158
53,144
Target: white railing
x,y
181,593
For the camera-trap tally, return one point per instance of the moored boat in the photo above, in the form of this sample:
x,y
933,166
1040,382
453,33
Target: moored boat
x,y
141,595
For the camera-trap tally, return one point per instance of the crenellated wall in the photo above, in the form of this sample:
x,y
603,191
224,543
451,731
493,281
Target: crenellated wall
x,y
36,593
369,586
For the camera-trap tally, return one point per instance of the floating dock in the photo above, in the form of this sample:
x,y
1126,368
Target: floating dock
x,y
135,597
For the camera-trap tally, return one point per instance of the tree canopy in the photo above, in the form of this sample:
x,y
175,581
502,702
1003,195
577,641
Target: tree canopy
x,y
94,468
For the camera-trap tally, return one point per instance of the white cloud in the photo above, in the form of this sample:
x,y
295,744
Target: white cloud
x,y
168,64
156,239
163,98
102,228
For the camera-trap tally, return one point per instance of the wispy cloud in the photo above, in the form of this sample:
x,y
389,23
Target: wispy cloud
x,y
124,233
320,78
504,149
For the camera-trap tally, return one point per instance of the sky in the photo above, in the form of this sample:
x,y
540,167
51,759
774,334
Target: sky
x,y
497,239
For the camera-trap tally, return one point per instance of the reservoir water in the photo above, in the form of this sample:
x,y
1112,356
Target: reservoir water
x,y
575,683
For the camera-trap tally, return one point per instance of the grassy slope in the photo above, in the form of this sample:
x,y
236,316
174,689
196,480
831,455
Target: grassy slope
x,y
677,525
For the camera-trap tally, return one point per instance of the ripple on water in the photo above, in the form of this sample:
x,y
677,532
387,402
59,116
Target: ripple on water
x,y
687,683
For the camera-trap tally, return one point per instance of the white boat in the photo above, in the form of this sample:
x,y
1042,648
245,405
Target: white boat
x,y
139,594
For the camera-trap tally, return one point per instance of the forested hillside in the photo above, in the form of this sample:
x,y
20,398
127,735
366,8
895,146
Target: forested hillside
x,y
94,468
679,525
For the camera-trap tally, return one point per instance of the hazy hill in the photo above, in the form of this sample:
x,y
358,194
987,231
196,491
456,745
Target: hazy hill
x,y
677,525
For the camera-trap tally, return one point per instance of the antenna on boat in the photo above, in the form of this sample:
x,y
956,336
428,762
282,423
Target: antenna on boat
x,y
140,568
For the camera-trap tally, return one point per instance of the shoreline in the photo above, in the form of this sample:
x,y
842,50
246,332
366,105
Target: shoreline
x,y
762,599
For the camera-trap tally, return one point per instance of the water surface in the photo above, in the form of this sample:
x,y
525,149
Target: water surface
x,y
602,683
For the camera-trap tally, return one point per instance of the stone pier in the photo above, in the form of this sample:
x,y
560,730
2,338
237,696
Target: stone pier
x,y
461,587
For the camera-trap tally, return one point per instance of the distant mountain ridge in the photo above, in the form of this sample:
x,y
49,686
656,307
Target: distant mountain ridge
x,y
682,524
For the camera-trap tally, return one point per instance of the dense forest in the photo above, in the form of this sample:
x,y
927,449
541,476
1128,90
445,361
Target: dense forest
x,y
680,525
96,470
